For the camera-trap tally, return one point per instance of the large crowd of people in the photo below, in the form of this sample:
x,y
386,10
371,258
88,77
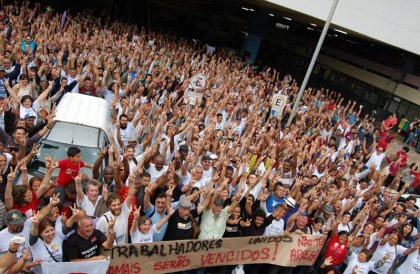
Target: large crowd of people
x,y
195,153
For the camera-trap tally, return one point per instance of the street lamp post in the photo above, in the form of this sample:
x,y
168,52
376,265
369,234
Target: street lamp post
x,y
313,60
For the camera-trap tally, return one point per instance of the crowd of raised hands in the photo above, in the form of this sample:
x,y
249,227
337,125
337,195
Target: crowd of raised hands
x,y
195,152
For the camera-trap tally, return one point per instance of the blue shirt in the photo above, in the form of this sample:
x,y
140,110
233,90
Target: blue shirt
x,y
156,217
272,202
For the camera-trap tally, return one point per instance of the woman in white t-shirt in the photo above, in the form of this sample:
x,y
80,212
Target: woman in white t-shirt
x,y
389,246
46,241
142,230
28,106
361,263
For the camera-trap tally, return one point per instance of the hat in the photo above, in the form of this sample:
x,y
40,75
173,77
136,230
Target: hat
x,y
29,115
207,158
290,202
2,68
328,209
213,156
15,217
183,148
184,202
219,202
133,138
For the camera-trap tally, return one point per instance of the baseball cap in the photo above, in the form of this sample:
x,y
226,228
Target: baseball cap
x,y
213,156
29,115
15,217
207,158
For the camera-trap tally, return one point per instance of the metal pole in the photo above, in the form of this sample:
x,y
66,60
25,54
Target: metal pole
x,y
313,60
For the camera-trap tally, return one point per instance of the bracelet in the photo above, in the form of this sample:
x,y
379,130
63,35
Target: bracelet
x,y
48,127
11,251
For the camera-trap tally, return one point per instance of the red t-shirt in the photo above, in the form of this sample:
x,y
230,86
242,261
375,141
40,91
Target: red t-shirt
x,y
385,140
336,250
331,106
28,209
68,171
123,194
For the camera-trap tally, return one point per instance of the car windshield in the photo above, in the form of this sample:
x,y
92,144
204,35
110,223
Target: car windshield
x,y
58,151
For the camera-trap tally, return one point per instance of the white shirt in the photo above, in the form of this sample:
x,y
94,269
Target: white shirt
x,y
32,111
39,250
138,237
363,268
275,228
120,227
6,236
87,205
411,265
154,173
125,134
376,159
213,227
381,251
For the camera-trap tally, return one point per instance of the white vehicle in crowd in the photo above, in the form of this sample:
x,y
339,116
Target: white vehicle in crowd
x,y
82,121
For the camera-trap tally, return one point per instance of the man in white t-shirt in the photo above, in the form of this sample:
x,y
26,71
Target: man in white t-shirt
x,y
118,212
123,130
155,169
376,158
89,201
17,226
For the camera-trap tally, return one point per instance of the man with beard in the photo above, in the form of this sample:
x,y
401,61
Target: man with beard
x,y
119,212
122,132
16,224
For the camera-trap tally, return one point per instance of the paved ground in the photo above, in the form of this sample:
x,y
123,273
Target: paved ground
x,y
397,145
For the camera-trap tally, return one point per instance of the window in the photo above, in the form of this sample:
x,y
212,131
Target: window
x,y
393,105
373,98
403,108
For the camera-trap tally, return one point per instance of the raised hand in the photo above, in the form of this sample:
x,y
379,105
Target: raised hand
x,y
55,200
111,223
170,211
74,210
11,176
328,261
137,211
78,178
248,222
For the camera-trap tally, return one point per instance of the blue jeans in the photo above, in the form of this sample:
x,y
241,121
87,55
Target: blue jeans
x,y
410,138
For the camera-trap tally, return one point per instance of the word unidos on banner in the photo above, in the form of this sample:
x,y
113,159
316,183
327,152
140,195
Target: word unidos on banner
x,y
172,256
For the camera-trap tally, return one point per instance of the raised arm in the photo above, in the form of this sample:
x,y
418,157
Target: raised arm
x,y
79,190
110,238
8,197
165,219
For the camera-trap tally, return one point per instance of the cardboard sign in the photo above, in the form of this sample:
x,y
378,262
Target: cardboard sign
x,y
197,82
173,256
278,104
192,97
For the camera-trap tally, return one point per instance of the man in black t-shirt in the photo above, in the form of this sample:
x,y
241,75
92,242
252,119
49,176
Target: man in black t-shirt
x,y
84,245
180,225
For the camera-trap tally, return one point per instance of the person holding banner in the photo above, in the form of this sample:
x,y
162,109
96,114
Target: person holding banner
x,y
45,241
84,245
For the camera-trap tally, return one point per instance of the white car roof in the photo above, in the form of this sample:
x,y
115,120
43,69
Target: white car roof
x,y
84,110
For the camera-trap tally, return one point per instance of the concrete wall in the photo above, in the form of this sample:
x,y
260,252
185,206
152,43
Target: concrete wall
x,y
394,22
